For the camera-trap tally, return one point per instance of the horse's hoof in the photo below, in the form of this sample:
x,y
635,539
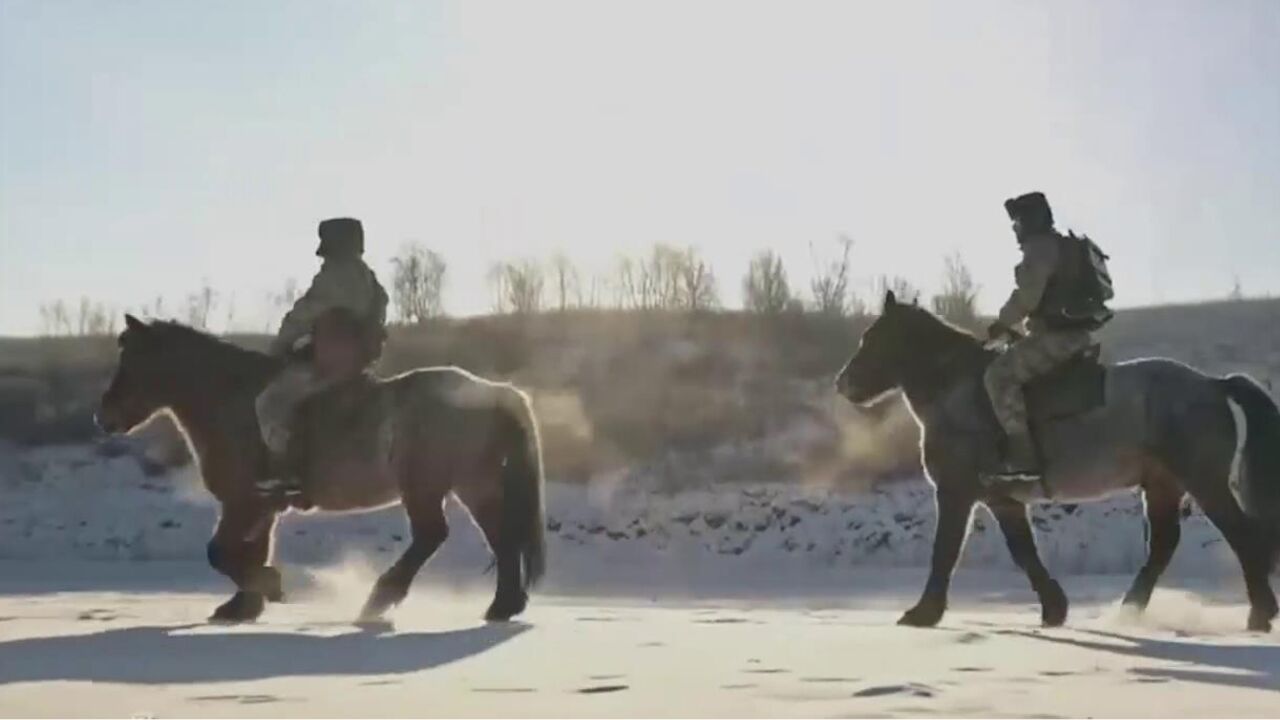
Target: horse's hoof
x,y
1053,617
374,626
1053,608
921,617
1259,623
505,608
241,608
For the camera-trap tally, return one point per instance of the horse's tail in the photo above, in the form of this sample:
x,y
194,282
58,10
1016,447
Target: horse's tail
x,y
523,514
1259,489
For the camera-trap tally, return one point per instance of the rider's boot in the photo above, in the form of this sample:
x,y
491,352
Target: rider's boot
x,y
1020,462
281,481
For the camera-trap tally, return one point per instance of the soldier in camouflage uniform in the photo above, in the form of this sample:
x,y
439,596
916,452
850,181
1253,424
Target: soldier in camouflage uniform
x,y
1042,281
345,285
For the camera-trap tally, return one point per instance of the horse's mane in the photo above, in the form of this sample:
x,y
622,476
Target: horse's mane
x,y
935,337
220,353
940,330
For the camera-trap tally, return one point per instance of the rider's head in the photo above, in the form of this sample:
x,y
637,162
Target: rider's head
x,y
341,237
1030,214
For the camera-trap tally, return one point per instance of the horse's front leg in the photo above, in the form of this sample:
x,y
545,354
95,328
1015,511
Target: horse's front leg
x,y
1021,540
954,509
241,549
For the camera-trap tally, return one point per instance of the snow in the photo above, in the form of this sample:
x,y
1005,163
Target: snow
x,y
72,503
138,647
759,599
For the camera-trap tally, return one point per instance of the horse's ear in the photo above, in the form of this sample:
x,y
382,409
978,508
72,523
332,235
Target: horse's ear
x,y
133,323
889,299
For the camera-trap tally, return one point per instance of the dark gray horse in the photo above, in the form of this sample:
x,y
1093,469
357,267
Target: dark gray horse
x,y
1165,428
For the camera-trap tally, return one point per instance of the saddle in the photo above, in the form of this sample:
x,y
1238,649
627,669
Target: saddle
x,y
1073,388
343,426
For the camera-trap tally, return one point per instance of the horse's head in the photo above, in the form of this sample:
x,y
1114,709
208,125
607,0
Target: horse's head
x,y
137,390
875,368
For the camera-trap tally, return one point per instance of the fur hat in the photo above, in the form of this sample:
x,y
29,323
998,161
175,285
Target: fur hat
x,y
1032,209
341,236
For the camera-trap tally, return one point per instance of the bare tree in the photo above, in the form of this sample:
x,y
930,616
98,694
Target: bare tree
x,y
61,318
281,302
958,300
230,318
101,321
830,283
46,319
666,278
1237,291
666,267
565,282
84,316
628,290
593,294
765,289
417,283
901,287
55,319
200,305
696,282
518,286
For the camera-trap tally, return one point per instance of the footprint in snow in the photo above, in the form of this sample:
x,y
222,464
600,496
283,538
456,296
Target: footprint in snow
x,y
503,690
242,699
909,689
601,689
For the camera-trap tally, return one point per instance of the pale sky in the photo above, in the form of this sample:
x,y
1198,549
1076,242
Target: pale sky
x,y
148,146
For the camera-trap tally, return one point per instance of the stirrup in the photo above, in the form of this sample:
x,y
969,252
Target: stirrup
x,y
1011,476
1012,479
275,486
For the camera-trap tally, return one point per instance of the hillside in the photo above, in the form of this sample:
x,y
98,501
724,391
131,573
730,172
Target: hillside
x,y
683,400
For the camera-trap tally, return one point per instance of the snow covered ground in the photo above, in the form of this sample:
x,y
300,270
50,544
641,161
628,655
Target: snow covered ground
x,y
758,600
73,503
136,645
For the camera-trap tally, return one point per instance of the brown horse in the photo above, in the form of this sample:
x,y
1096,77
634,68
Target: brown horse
x,y
1164,428
438,431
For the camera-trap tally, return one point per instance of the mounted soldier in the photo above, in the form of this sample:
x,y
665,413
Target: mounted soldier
x,y
334,332
1062,286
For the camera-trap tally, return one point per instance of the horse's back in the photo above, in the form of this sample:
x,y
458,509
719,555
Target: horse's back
x,y
1154,408
449,388
440,420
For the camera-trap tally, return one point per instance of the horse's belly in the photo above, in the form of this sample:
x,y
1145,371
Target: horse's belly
x,y
1093,476
353,485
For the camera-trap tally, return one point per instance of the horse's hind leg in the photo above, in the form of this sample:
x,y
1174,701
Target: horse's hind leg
x,y
427,523
1162,498
1012,517
1251,546
240,549
510,598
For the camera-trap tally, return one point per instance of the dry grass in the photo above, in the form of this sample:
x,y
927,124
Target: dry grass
x,y
661,392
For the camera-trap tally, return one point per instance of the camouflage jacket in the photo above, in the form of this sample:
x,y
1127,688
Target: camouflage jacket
x,y
342,283
1040,255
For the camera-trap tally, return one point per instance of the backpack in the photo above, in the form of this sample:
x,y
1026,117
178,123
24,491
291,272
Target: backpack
x,y
1078,294
1095,278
